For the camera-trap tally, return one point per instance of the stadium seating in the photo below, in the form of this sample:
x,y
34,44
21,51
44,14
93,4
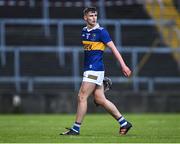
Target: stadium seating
x,y
47,64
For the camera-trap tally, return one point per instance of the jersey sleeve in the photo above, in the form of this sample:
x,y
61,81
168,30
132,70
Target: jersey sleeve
x,y
105,37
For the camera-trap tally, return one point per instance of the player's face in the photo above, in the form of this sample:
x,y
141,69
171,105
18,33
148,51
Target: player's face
x,y
91,18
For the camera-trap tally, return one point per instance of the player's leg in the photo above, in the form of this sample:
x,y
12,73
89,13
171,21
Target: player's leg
x,y
100,99
107,83
112,109
85,91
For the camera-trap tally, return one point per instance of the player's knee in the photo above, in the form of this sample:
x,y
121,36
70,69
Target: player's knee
x,y
100,101
81,97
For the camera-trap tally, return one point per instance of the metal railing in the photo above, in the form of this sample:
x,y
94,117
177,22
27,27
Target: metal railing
x,y
60,49
118,23
75,78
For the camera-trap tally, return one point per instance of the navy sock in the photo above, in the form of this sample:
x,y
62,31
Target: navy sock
x,y
76,127
122,121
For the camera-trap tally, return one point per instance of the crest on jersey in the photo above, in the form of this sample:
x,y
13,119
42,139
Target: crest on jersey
x,y
93,37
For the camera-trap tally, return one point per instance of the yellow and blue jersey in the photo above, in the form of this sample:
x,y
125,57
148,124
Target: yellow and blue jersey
x,y
94,41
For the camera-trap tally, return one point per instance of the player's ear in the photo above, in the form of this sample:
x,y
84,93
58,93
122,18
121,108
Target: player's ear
x,y
85,17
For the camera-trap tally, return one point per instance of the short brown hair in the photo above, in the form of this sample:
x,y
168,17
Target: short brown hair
x,y
89,9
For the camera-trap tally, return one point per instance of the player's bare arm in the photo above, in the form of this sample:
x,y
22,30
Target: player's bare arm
x,y
125,69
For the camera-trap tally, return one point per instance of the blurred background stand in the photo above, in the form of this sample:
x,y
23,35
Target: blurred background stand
x,y
41,56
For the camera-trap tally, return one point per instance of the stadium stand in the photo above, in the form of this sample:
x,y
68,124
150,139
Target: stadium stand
x,y
167,12
28,36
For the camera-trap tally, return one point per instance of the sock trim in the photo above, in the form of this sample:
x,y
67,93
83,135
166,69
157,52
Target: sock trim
x,y
125,123
75,130
121,119
77,125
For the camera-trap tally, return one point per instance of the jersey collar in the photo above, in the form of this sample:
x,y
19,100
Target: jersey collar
x,y
95,27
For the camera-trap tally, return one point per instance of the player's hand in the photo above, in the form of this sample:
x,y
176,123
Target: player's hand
x,y
126,71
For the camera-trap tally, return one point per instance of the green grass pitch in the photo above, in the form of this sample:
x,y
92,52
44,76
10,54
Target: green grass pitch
x,y
99,128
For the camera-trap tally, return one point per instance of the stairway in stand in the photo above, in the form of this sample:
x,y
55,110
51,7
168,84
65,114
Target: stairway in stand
x,y
168,23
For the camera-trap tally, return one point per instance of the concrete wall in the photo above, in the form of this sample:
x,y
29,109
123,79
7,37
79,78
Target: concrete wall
x,y
65,102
